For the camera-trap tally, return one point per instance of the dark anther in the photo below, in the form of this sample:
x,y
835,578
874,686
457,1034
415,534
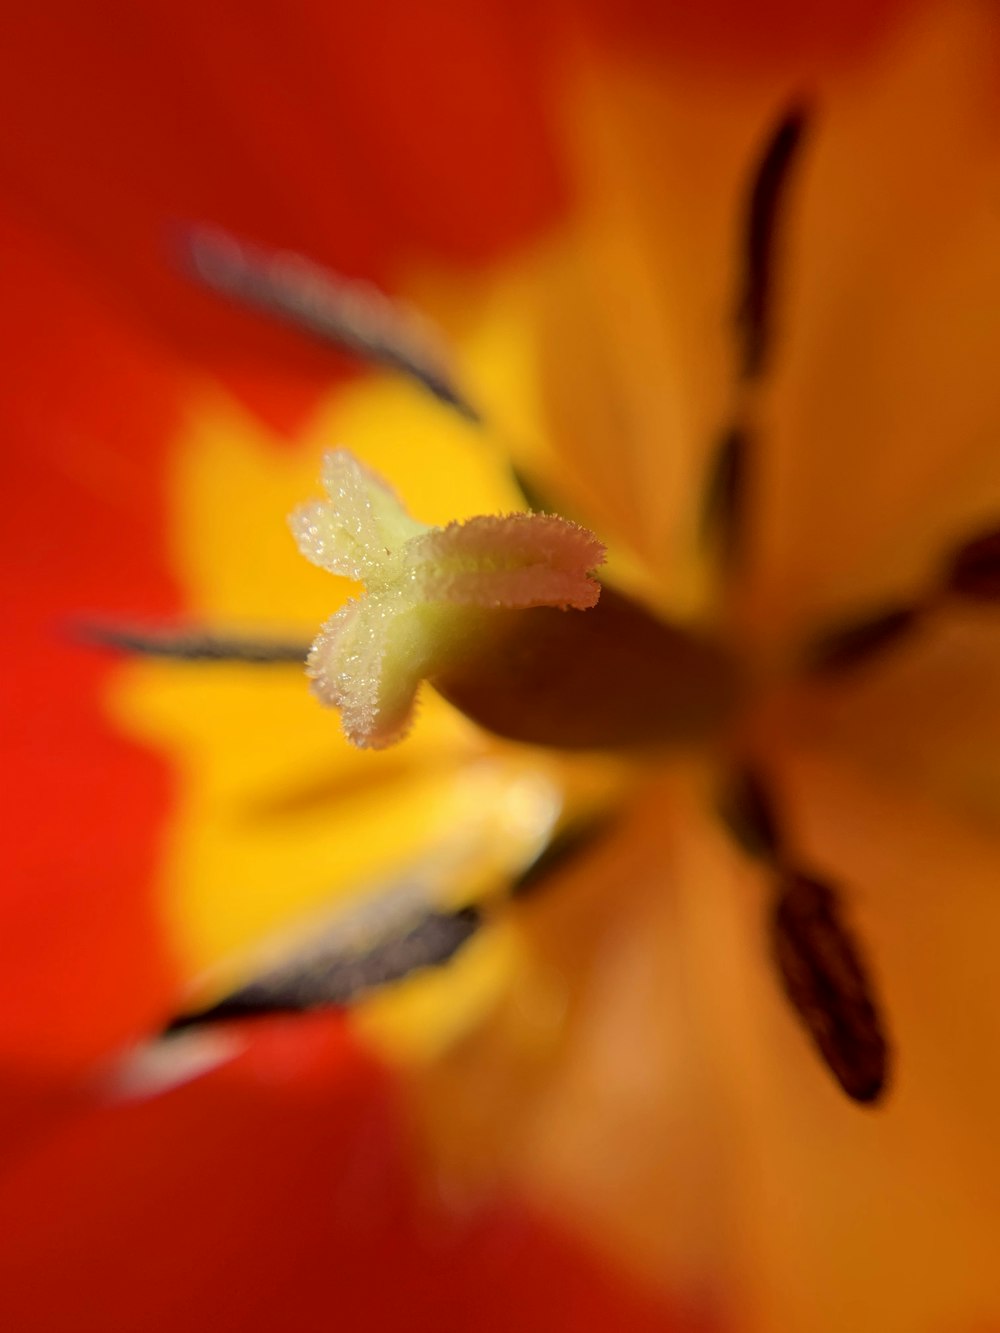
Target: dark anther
x,y
766,200
568,845
857,643
725,510
825,979
974,570
747,810
342,312
329,973
193,645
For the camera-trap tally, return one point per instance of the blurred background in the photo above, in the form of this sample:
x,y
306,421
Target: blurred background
x,y
601,1114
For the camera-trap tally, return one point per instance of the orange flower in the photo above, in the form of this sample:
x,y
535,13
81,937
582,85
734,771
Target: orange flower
x,y
561,189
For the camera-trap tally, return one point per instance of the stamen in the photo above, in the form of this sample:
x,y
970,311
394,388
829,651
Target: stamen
x,y
350,315
857,643
819,963
433,594
191,644
330,972
726,505
767,199
725,508
971,572
974,569
746,808
826,980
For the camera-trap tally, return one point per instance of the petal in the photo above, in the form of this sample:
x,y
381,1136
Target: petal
x,y
85,417
590,1084
880,433
278,1193
926,718
920,1183
731,34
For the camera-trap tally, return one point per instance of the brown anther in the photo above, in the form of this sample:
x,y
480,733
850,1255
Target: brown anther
x,y
725,507
344,313
746,807
765,205
858,642
974,569
826,980
333,971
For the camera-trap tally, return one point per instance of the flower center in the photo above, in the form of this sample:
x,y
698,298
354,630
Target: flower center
x,y
504,617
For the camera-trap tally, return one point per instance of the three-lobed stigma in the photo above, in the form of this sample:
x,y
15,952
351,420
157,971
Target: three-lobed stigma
x,y
431,593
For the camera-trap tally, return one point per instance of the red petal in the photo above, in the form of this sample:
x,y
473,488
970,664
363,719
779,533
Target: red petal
x,y
275,1195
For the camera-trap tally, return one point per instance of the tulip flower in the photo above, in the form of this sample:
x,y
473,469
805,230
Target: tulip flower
x,y
544,1016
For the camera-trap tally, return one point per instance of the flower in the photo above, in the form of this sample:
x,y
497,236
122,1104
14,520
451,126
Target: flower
x,y
640,1078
